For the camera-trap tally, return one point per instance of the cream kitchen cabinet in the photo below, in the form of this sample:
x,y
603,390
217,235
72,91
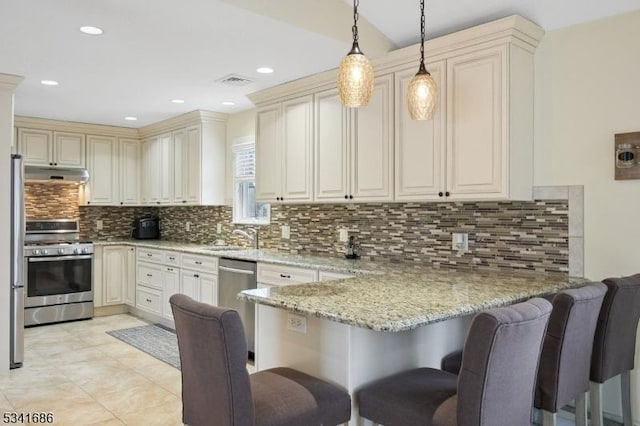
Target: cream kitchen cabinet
x,y
171,286
47,148
129,161
157,178
354,149
279,275
284,144
420,151
118,275
103,185
200,286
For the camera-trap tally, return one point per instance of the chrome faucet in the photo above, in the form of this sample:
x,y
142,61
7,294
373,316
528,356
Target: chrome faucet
x,y
255,238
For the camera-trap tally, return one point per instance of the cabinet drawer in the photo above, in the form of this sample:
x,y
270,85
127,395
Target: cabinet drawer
x,y
200,263
149,300
149,274
150,255
329,276
172,258
285,275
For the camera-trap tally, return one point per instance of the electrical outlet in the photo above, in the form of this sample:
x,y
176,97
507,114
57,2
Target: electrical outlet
x,y
187,226
219,228
297,323
99,224
344,235
460,242
285,232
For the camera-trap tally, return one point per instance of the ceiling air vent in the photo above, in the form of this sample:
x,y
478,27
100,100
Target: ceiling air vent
x,y
234,80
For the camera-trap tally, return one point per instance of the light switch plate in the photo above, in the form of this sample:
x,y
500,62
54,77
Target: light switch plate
x,y
187,226
219,228
460,242
99,224
285,232
344,235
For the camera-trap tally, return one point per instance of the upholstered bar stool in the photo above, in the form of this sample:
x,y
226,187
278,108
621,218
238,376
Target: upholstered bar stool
x,y
563,375
217,389
496,382
615,343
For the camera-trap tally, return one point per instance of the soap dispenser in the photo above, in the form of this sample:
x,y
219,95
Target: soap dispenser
x,y
352,249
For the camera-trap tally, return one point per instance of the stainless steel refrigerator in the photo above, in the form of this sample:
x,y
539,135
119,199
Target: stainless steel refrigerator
x,y
17,264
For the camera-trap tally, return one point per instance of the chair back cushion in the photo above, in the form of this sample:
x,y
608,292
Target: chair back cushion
x,y
614,343
213,355
566,352
500,360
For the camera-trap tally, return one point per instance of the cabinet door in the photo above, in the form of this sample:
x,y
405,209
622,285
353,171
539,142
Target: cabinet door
x,y
420,144
36,146
268,154
171,286
331,147
69,149
165,166
477,124
372,146
192,174
209,289
102,162
150,171
114,267
180,165
129,296
297,146
129,171
189,284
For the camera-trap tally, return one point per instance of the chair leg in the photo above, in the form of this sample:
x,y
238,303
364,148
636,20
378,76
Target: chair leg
x,y
549,418
625,388
596,403
581,409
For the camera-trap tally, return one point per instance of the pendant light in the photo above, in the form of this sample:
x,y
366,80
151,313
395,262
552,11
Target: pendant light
x,y
355,75
422,94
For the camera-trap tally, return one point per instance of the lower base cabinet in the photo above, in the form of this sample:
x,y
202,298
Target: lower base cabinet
x,y
118,275
200,286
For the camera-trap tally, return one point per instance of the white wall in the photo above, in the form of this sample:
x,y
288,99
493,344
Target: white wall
x,y
7,84
587,90
239,126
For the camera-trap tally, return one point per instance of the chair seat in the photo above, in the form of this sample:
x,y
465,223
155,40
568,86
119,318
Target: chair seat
x,y
287,397
408,398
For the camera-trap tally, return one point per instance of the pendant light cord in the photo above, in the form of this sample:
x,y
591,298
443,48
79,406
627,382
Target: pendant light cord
x,y
422,31
354,29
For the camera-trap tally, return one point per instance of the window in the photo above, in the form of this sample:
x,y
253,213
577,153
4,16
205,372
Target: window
x,y
245,207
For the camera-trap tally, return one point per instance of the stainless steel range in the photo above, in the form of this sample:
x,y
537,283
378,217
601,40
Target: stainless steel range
x,y
59,269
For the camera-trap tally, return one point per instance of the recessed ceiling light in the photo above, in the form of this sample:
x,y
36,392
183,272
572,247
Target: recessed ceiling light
x,y
91,30
228,103
49,82
265,70
177,101
131,118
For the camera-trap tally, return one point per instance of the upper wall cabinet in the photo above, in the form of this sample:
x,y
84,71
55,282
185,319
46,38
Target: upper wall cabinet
x,y
103,186
284,144
354,148
129,152
185,166
478,146
47,148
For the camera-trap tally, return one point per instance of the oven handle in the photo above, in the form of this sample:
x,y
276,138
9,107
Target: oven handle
x,y
54,258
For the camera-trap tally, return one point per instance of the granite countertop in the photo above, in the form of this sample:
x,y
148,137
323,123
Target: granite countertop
x,y
407,298
382,296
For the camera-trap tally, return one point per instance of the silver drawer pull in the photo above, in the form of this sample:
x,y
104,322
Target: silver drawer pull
x,y
169,269
198,262
149,254
172,258
149,300
285,276
149,275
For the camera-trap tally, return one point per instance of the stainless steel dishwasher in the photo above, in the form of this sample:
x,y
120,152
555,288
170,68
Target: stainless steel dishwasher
x,y
233,277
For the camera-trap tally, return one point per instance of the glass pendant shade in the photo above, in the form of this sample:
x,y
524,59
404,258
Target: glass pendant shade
x,y
355,79
422,96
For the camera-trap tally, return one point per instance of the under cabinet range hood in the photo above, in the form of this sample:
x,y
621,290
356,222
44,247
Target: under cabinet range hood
x,y
55,175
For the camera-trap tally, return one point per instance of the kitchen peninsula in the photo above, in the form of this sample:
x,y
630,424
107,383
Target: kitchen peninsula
x,y
353,331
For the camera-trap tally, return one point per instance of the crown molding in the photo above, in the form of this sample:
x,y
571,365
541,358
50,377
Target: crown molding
x,y
9,81
74,127
185,120
513,29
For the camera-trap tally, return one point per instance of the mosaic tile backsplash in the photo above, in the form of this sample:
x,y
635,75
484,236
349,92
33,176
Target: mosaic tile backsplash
x,y
502,235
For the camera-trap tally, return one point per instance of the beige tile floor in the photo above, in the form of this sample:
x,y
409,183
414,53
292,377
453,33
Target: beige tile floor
x,y
86,377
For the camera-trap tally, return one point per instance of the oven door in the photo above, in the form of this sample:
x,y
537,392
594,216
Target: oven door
x,y
58,279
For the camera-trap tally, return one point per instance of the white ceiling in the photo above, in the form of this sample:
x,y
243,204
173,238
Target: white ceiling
x,y
155,51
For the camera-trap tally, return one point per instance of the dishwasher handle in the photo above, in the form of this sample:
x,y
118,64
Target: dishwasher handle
x,y
235,270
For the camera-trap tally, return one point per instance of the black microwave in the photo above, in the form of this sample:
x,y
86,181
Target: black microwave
x,y
146,228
